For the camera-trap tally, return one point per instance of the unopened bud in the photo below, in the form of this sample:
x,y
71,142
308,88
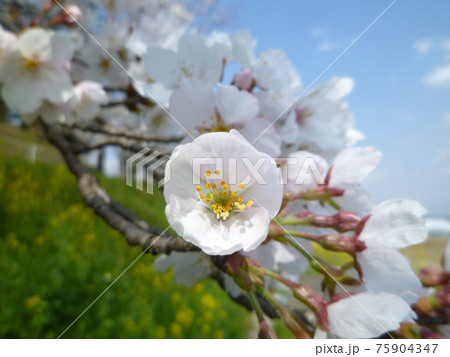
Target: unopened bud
x,y
426,304
69,16
310,298
265,331
443,297
426,333
340,243
275,230
346,221
245,271
294,324
433,276
244,79
287,197
74,14
322,193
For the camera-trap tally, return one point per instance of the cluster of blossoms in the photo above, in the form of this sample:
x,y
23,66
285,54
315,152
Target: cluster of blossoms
x,y
260,179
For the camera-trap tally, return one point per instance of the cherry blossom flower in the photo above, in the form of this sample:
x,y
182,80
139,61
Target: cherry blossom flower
x,y
322,122
37,71
346,173
88,98
366,315
228,209
392,225
194,58
200,110
100,66
271,70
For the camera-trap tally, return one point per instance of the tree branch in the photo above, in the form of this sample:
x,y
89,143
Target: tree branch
x,y
135,229
95,127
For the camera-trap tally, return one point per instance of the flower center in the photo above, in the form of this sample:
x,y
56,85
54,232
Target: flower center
x,y
31,63
218,197
104,64
217,125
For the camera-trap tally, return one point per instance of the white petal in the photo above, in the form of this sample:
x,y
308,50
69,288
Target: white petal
x,y
14,94
339,88
55,85
162,66
63,49
236,106
353,165
289,131
387,270
269,142
357,201
192,104
276,256
320,334
243,48
397,223
8,44
307,170
36,43
367,315
199,60
188,267
243,231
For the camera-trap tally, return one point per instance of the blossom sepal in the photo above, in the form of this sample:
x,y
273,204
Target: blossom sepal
x,y
245,271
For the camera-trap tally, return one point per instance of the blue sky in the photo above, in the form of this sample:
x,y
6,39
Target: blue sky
x,y
401,67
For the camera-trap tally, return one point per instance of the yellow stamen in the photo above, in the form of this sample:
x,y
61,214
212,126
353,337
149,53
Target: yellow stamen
x,y
202,196
208,173
217,172
241,185
199,188
250,203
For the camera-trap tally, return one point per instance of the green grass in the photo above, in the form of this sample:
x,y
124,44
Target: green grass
x,y
56,257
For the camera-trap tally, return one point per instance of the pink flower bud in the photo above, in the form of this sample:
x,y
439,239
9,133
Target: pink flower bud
x,y
309,297
244,79
433,276
340,243
245,271
72,15
426,333
443,297
265,331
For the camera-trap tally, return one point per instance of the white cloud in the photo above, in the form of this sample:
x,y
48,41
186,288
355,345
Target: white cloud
x,y
327,45
318,31
426,46
423,47
438,77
